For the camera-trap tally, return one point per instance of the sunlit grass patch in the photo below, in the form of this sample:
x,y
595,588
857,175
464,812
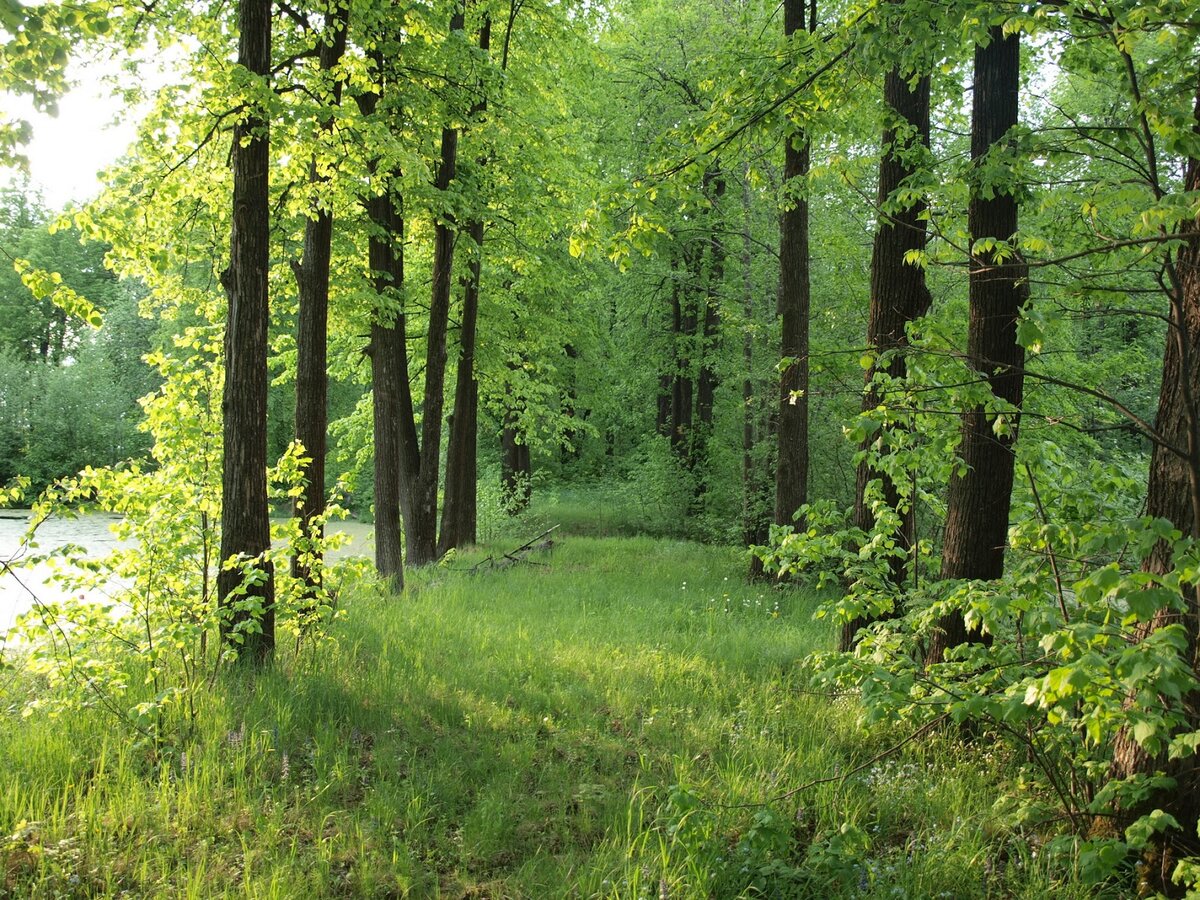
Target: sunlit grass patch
x,y
608,719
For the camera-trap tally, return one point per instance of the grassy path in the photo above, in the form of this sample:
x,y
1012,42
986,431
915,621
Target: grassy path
x,y
566,729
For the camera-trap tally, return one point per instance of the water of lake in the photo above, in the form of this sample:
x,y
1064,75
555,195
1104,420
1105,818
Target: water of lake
x,y
20,589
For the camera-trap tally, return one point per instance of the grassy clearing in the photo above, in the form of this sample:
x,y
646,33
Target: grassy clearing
x,y
566,729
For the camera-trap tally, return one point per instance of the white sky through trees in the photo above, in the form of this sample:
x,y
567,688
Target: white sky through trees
x,y
69,150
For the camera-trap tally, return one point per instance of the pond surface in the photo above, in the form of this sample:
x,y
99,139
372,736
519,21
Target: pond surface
x,y
21,588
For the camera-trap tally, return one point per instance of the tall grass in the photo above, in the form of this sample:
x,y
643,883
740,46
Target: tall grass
x,y
597,722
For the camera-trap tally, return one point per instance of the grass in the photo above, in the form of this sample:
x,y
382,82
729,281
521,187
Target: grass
x,y
576,728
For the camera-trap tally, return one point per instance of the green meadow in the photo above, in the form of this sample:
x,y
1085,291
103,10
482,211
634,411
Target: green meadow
x,y
615,717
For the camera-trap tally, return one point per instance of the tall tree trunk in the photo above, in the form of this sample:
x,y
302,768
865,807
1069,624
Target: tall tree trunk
x,y
459,513
756,516
312,282
898,296
791,466
422,530
459,502
979,498
683,330
393,425
391,396
248,604
706,385
1173,493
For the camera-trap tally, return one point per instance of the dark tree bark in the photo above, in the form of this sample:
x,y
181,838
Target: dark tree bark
x,y
312,281
393,428
791,466
898,296
706,382
979,498
756,499
516,471
662,418
460,509
245,527
422,522
1173,493
391,395
459,503
683,331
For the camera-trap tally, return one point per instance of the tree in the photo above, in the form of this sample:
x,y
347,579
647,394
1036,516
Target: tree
x,y
899,295
312,280
459,506
245,585
791,466
980,491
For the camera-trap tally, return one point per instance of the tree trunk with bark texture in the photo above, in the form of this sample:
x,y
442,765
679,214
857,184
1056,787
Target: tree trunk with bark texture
x,y
391,395
393,429
706,386
979,498
791,466
248,606
312,282
460,504
422,532
898,296
1173,493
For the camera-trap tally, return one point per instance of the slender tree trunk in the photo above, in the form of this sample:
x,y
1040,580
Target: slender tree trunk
x,y
459,513
683,328
706,386
756,517
898,296
791,466
422,530
980,497
312,281
1173,493
459,503
248,604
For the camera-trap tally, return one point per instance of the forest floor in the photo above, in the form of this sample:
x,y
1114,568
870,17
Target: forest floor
x,y
601,721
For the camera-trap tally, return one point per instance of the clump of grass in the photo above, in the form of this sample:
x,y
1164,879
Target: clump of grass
x,y
587,726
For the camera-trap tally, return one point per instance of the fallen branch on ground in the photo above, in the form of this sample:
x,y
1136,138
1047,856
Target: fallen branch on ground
x,y
513,557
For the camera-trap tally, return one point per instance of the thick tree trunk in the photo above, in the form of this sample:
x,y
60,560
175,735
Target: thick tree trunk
x,y
248,605
898,295
312,281
980,497
1173,493
391,397
393,425
791,465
